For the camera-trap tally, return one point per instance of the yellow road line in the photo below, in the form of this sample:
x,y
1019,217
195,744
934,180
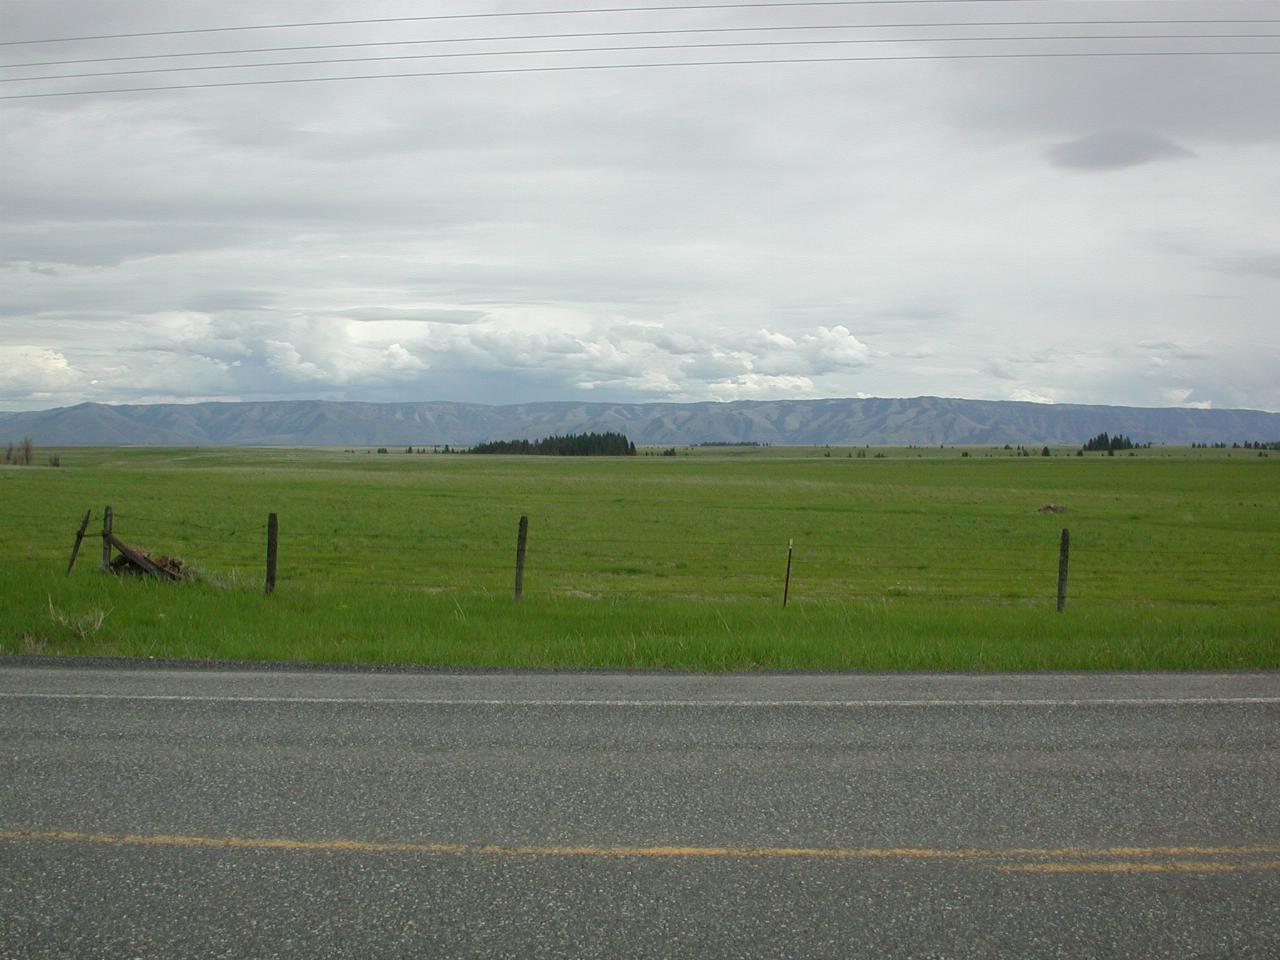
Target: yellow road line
x,y
250,843
1121,866
1139,858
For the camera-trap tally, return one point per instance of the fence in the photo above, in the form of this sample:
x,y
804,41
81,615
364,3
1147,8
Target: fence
x,y
316,551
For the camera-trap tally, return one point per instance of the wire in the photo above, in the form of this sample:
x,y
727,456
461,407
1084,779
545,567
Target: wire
x,y
634,33
635,66
513,13
617,49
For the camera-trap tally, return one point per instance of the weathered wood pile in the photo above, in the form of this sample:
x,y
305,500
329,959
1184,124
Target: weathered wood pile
x,y
140,562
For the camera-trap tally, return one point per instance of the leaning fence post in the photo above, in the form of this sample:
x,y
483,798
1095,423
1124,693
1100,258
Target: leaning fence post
x,y
522,540
786,584
1062,568
84,525
106,539
273,536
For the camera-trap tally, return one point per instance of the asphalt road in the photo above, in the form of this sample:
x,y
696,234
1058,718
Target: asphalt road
x,y
167,813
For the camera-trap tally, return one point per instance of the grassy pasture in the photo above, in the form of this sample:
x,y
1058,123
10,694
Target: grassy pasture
x,y
916,559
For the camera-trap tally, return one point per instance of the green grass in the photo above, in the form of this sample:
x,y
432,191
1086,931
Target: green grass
x,y
921,559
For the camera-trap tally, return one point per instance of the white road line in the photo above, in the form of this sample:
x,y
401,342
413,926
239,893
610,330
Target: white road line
x,y
765,704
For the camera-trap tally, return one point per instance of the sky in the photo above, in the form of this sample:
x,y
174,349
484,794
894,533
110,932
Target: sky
x,y
1055,229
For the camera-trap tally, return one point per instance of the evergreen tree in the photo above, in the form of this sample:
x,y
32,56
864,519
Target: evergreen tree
x,y
1106,443
572,445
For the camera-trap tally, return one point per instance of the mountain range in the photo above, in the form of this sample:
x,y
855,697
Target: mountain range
x,y
920,421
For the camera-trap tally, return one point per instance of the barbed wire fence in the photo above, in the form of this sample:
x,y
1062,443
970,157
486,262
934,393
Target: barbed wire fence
x,y
269,554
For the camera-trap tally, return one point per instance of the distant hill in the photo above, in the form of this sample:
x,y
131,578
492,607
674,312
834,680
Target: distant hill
x,y
920,421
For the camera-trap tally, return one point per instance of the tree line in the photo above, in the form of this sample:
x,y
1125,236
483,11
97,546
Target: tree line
x,y
1106,443
572,445
1247,445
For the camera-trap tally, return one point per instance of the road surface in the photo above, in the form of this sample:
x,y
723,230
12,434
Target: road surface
x,y
174,813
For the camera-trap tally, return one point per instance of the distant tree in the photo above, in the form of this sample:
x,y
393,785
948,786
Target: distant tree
x,y
573,445
1045,452
1105,443
24,455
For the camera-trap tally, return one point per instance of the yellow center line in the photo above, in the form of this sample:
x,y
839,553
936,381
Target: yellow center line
x,y
1121,866
1040,859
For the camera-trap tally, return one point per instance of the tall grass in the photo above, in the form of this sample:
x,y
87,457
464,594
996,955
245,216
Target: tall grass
x,y
131,617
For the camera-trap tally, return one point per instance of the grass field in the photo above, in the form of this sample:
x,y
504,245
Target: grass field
x,y
904,558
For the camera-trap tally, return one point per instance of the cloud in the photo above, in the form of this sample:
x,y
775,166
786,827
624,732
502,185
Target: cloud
x,y
412,315
32,370
1030,396
889,228
185,353
1266,265
758,386
1115,150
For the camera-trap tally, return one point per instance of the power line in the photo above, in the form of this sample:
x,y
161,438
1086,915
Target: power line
x,y
632,66
514,13
637,33
617,49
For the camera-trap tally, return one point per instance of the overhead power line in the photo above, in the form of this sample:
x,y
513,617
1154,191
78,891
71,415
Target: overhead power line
x,y
640,33
626,48
510,14
567,68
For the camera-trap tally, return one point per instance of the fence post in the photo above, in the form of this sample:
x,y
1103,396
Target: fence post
x,y
1062,569
786,584
106,539
273,537
522,540
84,525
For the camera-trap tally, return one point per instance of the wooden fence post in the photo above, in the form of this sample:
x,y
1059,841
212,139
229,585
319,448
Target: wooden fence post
x,y
106,539
522,540
786,584
273,537
1062,569
84,525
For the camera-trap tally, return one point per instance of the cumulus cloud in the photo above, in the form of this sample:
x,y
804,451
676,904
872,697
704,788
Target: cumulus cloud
x,y
1030,396
758,386
28,370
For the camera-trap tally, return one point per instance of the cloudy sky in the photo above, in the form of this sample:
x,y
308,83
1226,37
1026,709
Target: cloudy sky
x,y
1060,229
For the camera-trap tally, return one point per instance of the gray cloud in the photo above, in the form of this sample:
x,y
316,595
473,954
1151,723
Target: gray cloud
x,y
1115,150
412,315
1198,98
1265,265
